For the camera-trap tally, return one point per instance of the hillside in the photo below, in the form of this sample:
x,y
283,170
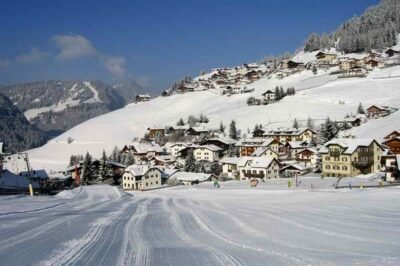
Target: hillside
x,y
15,131
56,106
318,96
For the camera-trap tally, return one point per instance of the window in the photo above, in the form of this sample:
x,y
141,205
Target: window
x,y
327,167
344,168
327,158
156,182
147,184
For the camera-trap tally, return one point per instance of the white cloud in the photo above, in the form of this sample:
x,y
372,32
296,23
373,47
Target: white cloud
x,y
4,63
77,46
34,55
74,46
115,65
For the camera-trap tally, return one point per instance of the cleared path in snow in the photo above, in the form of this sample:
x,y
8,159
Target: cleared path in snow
x,y
236,225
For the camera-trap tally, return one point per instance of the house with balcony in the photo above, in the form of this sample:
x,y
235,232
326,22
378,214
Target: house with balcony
x,y
142,177
284,135
393,144
209,153
350,157
259,167
248,146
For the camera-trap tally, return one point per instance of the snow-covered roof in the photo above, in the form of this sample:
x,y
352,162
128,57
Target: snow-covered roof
x,y
116,164
260,151
145,147
250,142
139,169
286,131
398,161
230,160
256,162
210,147
224,139
349,145
191,177
9,180
200,129
307,149
297,166
297,144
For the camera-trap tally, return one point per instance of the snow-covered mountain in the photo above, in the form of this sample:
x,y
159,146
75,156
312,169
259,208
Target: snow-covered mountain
x,y
56,106
318,96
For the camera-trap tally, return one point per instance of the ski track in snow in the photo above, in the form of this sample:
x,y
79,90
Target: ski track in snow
x,y
100,225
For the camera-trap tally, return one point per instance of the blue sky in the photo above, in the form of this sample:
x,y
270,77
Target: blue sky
x,y
154,42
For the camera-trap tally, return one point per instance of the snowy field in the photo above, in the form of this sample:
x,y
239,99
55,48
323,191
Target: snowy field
x,y
318,97
234,225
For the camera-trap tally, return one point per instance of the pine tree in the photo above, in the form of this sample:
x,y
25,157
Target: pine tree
x,y
192,121
130,159
360,109
215,168
295,124
103,165
222,127
180,122
86,168
115,155
281,93
190,162
277,93
233,130
310,123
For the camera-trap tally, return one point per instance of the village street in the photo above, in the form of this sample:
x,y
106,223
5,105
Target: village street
x,y
235,225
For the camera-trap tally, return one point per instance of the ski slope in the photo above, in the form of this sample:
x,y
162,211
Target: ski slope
x,y
318,96
235,225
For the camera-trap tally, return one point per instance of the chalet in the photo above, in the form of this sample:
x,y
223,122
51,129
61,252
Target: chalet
x,y
351,121
230,167
391,52
198,131
294,169
163,160
258,167
373,56
249,146
289,64
190,179
393,144
371,64
175,148
308,156
269,96
392,135
346,64
291,148
221,141
350,157
142,98
176,129
142,177
291,134
326,58
265,152
143,150
391,163
117,169
377,111
355,71
153,132
208,153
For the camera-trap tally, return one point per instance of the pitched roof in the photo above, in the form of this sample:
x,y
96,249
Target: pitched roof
x,y
210,147
260,151
145,147
223,139
256,162
191,177
349,145
230,160
140,169
286,131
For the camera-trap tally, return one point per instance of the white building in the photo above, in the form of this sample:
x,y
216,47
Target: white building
x,y
188,178
141,177
250,167
208,153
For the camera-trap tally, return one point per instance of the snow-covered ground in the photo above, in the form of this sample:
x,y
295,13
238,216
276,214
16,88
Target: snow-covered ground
x,y
318,97
199,225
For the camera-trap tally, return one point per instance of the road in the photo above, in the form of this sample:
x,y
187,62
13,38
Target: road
x,y
100,225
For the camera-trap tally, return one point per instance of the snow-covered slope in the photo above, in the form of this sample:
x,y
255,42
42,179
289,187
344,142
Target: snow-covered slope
x,y
317,96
